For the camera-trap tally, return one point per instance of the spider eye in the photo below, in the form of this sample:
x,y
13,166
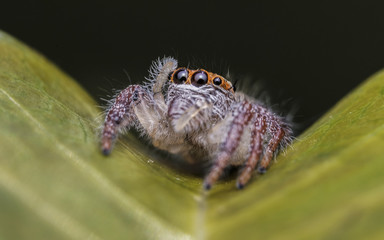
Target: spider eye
x,y
199,78
217,81
180,76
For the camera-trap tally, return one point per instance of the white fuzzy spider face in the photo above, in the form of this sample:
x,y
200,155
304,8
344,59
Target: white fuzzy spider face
x,y
198,115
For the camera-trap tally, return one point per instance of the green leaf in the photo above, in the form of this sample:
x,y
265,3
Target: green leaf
x,y
55,184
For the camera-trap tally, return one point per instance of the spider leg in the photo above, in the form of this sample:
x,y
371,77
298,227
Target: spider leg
x,y
241,119
137,104
168,66
150,109
256,151
273,143
120,115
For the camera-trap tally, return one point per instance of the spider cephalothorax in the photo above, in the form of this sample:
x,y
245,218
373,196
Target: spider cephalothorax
x,y
198,115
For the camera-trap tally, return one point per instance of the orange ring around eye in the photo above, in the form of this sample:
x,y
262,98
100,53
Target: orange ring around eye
x,y
177,71
224,82
199,78
227,85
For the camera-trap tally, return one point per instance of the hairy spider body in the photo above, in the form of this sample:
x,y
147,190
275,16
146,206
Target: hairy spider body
x,y
198,115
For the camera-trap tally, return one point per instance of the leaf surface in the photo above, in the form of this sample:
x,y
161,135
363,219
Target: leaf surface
x,y
55,184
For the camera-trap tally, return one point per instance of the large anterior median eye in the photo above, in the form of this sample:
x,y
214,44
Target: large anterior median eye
x,y
199,78
180,76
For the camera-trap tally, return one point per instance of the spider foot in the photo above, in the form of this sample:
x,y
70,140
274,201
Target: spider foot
x,y
106,151
262,170
207,186
239,185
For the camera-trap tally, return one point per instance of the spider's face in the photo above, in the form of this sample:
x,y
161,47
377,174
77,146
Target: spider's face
x,y
197,99
199,78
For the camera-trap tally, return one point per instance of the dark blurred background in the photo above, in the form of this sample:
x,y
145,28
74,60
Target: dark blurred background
x,y
305,54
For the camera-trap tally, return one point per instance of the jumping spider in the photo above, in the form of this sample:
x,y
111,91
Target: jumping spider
x,y
198,115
